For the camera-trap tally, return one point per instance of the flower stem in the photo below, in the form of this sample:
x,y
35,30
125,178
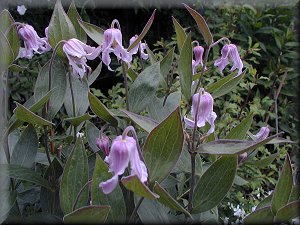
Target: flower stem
x,y
130,221
125,84
192,183
79,193
73,102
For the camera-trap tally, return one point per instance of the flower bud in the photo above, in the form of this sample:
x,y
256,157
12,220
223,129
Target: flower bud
x,y
103,143
262,134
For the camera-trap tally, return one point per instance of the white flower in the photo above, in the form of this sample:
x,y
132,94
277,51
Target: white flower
x,y
80,135
21,9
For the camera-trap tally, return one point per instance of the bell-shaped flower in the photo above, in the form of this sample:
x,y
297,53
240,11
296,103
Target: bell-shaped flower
x,y
103,143
48,46
262,134
32,42
205,111
198,52
229,53
77,53
123,150
141,47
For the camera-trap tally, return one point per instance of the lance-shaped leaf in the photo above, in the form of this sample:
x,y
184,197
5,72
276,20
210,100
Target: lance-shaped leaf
x,y
115,199
101,111
263,162
283,188
166,199
147,124
17,68
230,146
92,132
151,55
288,212
144,32
74,177
58,82
74,17
94,32
185,68
11,33
60,27
163,147
93,214
24,174
219,83
6,56
26,115
214,184
240,131
75,121
134,184
166,63
132,74
260,216
8,199
91,78
228,86
25,150
201,25
180,33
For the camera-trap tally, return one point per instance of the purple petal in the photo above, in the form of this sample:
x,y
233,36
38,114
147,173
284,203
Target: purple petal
x,y
109,185
137,165
262,134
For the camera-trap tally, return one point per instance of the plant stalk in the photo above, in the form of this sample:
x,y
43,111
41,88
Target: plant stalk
x,y
192,184
73,102
130,221
125,84
79,193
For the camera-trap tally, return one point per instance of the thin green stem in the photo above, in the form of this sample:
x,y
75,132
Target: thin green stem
x,y
192,183
130,221
79,193
73,102
125,84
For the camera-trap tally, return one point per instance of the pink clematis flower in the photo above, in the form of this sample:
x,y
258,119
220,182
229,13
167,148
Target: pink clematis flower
x,y
103,143
77,53
205,111
262,134
113,44
198,52
141,47
48,46
32,42
123,150
229,53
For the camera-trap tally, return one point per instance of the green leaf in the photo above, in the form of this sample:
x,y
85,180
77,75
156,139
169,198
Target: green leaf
x,y
101,111
80,90
16,68
230,146
144,32
115,199
163,147
6,56
265,203
185,68
219,83
180,33
283,188
25,150
214,184
263,162
260,216
240,181
76,121
166,63
228,86
132,74
24,174
58,83
288,212
8,199
74,177
60,27
151,55
134,184
166,199
26,115
93,31
143,89
201,25
92,214
11,33
91,78
74,17
92,132
295,194
146,123
240,131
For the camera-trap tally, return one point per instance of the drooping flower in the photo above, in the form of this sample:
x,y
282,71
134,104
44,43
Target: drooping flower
x,y
113,44
205,111
198,52
48,46
123,150
141,47
262,134
32,42
103,143
229,53
77,53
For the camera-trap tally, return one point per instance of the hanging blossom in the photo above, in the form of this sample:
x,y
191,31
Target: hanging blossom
x,y
198,52
32,42
123,150
113,44
205,111
141,47
77,53
103,143
262,134
229,53
48,46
